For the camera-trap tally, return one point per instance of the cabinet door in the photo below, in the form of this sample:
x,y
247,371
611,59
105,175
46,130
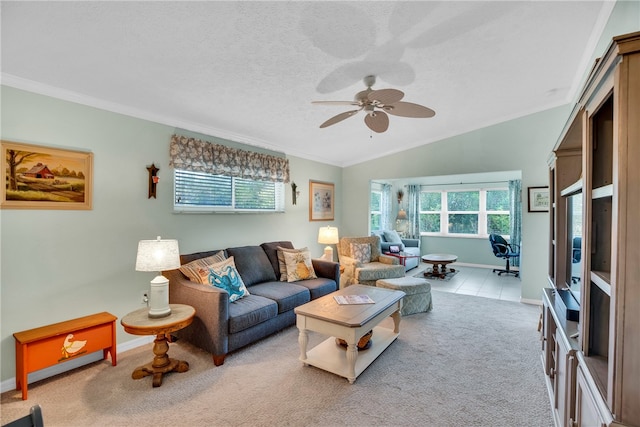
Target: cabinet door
x,y
587,413
564,383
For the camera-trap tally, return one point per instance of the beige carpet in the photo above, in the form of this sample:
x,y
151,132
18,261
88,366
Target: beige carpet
x,y
470,362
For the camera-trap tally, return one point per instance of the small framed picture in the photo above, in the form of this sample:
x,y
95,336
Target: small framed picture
x,y
538,199
394,249
321,201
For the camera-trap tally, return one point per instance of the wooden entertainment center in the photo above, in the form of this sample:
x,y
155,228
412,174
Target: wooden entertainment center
x,y
591,352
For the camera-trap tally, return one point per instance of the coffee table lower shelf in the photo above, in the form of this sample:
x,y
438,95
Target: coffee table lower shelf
x,y
333,358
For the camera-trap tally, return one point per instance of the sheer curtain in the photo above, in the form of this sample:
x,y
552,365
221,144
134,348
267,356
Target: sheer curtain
x,y
386,222
413,211
515,213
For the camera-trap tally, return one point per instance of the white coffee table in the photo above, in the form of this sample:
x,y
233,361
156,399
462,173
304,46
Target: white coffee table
x,y
350,323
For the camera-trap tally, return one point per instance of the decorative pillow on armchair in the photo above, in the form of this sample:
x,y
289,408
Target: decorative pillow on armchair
x,y
224,275
392,236
298,265
361,252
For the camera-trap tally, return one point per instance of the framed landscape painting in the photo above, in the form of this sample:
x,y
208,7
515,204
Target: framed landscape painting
x,y
45,178
538,199
321,201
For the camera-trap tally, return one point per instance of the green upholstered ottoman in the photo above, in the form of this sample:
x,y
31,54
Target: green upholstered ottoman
x,y
417,290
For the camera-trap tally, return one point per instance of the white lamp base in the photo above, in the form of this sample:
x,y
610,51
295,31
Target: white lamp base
x,y
328,254
159,297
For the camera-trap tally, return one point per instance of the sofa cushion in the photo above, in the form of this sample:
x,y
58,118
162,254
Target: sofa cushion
x,y
319,287
224,275
187,258
193,270
392,236
250,311
253,264
361,252
271,249
298,264
287,295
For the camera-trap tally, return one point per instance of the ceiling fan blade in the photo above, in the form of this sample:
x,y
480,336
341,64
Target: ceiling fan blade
x,y
335,102
377,121
409,109
340,117
386,96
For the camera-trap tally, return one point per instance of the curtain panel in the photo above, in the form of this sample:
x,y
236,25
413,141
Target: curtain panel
x,y
515,212
413,211
202,156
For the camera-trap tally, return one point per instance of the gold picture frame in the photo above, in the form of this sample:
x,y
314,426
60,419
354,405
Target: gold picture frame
x,y
321,201
39,177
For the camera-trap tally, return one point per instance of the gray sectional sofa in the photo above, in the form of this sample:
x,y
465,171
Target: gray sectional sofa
x,y
220,326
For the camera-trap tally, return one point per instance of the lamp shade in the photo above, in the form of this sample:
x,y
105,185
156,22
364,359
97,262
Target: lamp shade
x,y
402,214
157,255
328,235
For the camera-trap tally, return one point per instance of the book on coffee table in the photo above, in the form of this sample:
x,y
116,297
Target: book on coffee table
x,y
353,299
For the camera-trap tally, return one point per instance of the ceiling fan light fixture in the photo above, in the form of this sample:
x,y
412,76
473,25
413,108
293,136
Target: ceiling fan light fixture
x,y
385,100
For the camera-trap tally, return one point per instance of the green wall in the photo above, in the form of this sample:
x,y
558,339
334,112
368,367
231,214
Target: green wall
x,y
59,264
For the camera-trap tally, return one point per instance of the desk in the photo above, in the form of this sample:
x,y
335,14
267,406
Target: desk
x,y
139,323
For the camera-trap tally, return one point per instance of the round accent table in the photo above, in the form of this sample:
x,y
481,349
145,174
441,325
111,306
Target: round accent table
x,y
139,323
438,260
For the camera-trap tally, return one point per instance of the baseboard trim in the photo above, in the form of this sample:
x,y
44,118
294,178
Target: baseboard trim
x,y
10,384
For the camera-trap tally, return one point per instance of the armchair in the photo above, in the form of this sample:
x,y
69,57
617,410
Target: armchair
x,y
378,266
409,246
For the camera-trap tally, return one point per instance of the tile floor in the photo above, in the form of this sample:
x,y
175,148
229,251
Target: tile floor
x,y
482,282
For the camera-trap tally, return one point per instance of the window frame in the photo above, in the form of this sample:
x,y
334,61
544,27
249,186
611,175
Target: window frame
x,y
482,213
278,194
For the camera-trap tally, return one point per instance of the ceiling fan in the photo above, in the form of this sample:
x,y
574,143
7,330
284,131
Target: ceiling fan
x,y
376,104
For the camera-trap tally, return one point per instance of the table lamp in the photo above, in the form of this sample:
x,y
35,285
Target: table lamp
x,y
328,236
158,255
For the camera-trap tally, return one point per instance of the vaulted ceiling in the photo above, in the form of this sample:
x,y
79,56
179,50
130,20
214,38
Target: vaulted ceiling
x,y
248,71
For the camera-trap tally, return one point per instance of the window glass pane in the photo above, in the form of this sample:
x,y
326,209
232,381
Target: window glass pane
x,y
463,200
375,221
375,201
497,200
498,224
202,189
430,201
463,224
430,223
254,194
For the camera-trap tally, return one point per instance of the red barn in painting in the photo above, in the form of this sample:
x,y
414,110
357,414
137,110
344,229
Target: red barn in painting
x,y
39,171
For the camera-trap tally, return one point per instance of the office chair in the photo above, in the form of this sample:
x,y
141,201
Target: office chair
x,y
505,250
576,257
34,419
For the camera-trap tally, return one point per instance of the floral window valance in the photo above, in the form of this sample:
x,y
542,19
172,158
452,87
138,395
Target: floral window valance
x,y
201,156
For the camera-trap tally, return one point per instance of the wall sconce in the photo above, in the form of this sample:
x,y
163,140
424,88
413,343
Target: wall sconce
x,y
153,180
294,192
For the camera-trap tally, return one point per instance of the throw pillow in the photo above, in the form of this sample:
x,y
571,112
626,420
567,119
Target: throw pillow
x,y
281,262
224,275
392,236
298,265
361,252
192,269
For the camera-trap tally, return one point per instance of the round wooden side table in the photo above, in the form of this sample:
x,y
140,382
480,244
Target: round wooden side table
x,y
438,259
139,323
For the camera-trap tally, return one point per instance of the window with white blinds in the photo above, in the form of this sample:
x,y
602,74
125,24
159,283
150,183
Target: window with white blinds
x,y
203,192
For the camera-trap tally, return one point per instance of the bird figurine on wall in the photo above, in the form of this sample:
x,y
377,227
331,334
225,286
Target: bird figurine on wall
x,y
70,348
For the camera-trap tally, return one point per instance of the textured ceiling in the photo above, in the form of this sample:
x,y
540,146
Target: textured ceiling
x,y
248,71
